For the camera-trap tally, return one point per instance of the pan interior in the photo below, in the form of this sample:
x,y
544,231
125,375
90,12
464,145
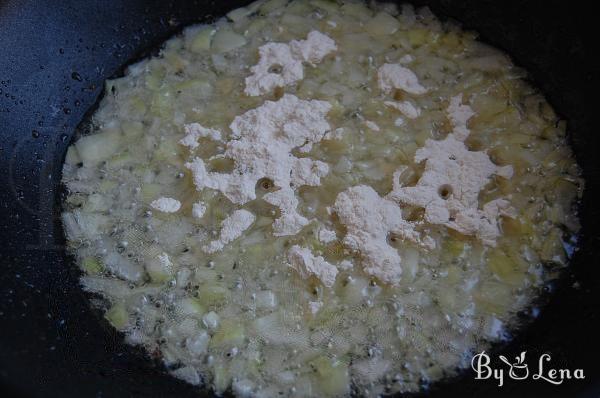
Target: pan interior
x,y
242,316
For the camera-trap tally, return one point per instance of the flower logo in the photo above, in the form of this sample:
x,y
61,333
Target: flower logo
x,y
518,370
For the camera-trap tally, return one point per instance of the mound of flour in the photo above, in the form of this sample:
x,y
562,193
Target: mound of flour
x,y
232,228
394,76
448,190
449,187
280,64
369,220
306,264
261,145
166,205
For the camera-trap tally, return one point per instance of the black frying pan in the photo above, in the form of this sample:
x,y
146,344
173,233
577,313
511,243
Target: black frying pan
x,y
54,58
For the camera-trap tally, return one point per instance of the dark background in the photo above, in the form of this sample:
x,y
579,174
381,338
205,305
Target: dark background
x,y
54,57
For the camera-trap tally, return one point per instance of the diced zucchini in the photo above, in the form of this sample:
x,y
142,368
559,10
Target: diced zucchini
x,y
226,40
92,266
187,374
505,267
274,329
107,185
493,297
230,334
352,292
162,103
563,191
93,149
255,26
418,37
552,248
265,299
447,299
327,5
242,388
211,320
221,165
410,263
454,274
295,24
72,157
382,24
159,268
222,378
123,267
91,224
168,150
272,5
422,136
200,87
211,295
176,62
201,40
119,161
191,306
150,192
132,130
154,79
238,14
332,376
486,106
96,203
218,214
117,316
450,40
205,275
501,265
138,106
516,226
358,10
453,248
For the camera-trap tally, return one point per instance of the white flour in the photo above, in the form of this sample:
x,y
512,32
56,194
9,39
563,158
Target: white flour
x,y
345,265
369,220
314,48
306,264
326,235
336,134
448,190
194,131
459,115
165,261
231,228
263,140
280,64
406,59
198,209
166,205
407,108
265,76
314,306
290,221
449,187
394,76
372,125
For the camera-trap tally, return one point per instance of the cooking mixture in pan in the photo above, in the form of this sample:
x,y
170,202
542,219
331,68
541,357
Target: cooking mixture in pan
x,y
317,198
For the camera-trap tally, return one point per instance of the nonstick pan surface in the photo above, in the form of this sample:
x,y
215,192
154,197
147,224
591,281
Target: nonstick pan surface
x,y
54,58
